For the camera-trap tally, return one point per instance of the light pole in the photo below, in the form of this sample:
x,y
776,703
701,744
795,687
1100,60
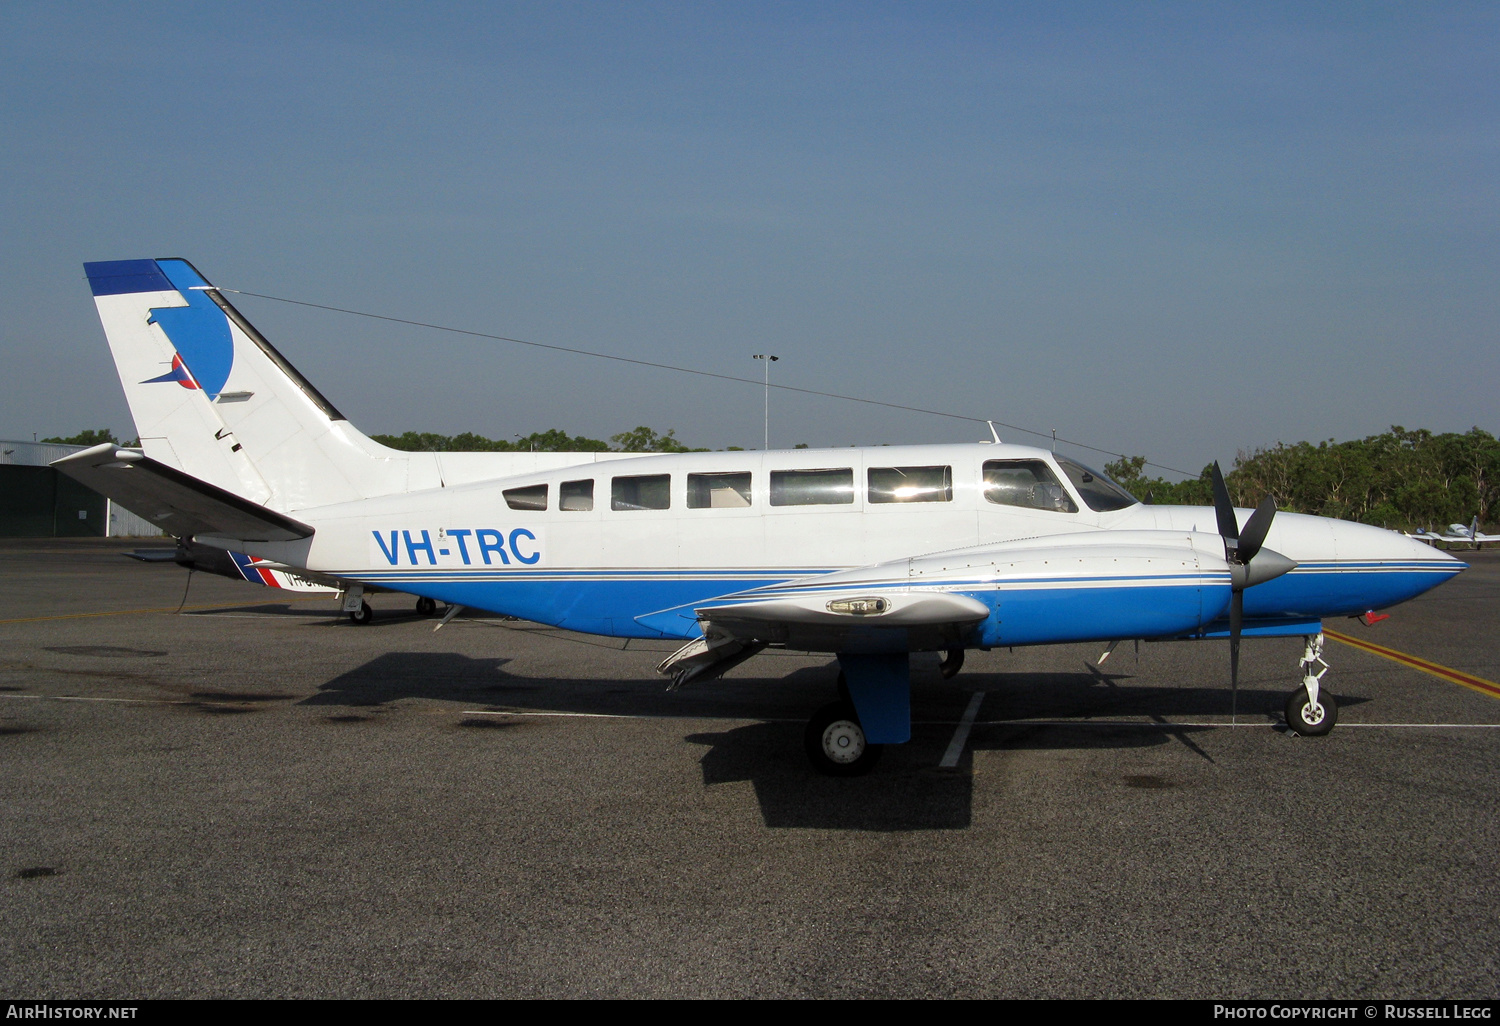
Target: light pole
x,y
767,359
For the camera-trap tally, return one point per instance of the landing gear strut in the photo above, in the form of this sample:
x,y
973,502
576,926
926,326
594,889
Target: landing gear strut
x,y
836,742
1310,711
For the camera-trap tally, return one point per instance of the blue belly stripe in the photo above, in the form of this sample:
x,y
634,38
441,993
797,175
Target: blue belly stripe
x,y
1030,611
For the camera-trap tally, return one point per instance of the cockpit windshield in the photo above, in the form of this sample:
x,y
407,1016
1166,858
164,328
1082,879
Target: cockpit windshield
x,y
1098,491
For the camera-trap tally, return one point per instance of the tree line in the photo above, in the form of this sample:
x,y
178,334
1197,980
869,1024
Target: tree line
x,y
1403,480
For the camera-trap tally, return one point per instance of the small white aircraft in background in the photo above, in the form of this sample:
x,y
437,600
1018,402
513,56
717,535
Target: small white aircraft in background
x,y
1458,534
871,554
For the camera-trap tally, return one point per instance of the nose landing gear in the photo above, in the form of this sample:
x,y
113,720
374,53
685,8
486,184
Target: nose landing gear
x,y
1310,711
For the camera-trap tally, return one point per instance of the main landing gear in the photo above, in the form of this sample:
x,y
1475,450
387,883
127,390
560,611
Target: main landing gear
x,y
426,606
952,662
845,738
363,615
1310,711
836,742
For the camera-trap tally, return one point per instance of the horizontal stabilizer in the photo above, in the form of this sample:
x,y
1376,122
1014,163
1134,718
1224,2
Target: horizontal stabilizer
x,y
178,503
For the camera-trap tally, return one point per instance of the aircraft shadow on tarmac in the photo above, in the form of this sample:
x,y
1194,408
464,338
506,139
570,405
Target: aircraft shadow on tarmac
x,y
907,791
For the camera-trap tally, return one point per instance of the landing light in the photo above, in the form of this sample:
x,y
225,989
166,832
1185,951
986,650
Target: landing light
x,y
859,606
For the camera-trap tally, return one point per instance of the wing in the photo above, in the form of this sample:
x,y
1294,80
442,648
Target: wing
x,y
829,613
178,503
1077,587
842,616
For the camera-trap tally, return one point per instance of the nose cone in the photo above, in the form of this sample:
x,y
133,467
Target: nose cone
x,y
1358,543
1379,568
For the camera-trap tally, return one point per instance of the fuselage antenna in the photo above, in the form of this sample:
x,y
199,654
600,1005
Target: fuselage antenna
x,y
993,433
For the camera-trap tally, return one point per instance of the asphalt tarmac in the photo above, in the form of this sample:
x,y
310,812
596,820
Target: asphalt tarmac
x,y
255,798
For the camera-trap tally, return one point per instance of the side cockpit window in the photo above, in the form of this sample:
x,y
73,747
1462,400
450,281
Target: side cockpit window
x,y
1029,484
1098,491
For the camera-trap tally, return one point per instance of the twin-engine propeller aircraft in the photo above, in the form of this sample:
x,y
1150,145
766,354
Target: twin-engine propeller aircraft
x,y
871,554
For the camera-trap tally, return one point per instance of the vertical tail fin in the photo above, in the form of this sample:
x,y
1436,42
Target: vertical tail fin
x,y
213,398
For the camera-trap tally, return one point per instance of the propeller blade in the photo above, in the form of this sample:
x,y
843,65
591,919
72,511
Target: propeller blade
x,y
1254,534
1229,527
1236,620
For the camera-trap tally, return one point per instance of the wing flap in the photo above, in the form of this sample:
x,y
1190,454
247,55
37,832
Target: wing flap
x,y
178,503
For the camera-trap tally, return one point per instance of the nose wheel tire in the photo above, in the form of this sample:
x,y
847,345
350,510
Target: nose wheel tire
x,y
364,616
1308,719
836,742
426,606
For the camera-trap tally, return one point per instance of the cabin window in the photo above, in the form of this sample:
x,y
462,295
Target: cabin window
x,y
1098,491
651,491
911,484
577,496
812,487
530,497
718,491
1029,484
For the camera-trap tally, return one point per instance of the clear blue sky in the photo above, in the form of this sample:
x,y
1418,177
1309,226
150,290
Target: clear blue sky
x,y
1178,230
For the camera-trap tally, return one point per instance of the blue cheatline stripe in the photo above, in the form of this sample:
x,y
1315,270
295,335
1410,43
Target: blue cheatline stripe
x,y
120,277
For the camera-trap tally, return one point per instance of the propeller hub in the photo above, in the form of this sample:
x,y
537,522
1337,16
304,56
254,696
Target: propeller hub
x,y
1267,565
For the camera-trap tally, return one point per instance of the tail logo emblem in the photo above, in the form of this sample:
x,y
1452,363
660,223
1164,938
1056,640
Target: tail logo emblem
x,y
179,373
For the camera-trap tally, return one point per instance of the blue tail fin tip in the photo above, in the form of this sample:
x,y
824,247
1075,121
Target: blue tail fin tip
x,y
121,277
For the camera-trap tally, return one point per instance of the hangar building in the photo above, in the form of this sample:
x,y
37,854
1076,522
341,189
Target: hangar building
x,y
38,502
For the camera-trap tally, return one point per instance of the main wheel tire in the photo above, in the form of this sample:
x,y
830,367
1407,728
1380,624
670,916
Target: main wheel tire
x,y
364,616
426,606
952,662
836,742
1311,720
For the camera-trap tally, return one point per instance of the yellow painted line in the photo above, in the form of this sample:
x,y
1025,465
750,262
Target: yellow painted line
x,y
1468,680
163,609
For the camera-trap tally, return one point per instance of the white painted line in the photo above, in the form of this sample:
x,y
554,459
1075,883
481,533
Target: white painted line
x,y
1464,726
85,698
627,716
1174,724
961,735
